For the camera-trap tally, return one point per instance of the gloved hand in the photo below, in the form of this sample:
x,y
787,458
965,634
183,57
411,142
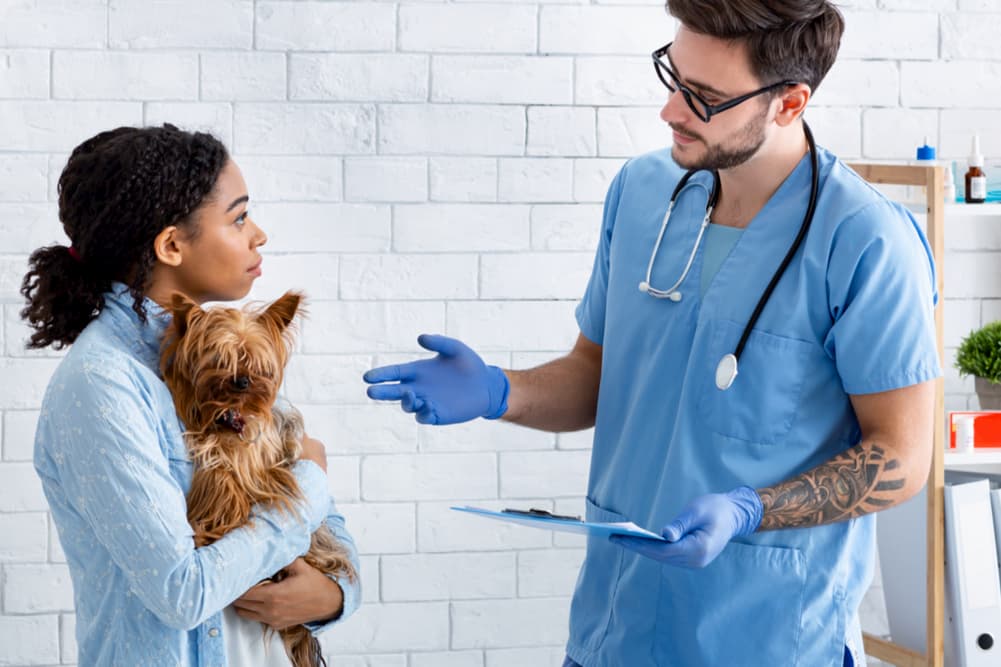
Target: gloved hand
x,y
453,387
703,528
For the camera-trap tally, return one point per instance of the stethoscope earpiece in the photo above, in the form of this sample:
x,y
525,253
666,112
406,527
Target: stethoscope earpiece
x,y
673,295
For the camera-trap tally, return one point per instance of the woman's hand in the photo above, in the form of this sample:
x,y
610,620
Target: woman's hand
x,y
305,595
313,450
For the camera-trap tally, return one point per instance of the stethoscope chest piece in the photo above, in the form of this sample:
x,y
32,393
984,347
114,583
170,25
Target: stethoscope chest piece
x,y
726,372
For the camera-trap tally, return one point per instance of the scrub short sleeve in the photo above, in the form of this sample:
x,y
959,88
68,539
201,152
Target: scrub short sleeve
x,y
591,310
881,295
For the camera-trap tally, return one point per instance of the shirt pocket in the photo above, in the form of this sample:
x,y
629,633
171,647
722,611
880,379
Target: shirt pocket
x,y
597,583
763,401
743,610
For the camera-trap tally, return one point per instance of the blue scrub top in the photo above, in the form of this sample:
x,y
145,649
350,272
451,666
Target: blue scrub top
x,y
853,314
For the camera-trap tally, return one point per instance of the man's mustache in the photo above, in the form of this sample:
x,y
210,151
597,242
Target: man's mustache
x,y
685,133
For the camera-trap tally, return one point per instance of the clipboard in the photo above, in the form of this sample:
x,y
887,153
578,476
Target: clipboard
x,y
534,518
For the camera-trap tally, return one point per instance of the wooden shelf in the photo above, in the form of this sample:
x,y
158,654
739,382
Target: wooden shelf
x,y
958,210
971,210
933,210
978,457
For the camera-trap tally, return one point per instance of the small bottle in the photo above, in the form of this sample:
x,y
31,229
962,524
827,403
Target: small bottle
x,y
925,154
976,180
950,184
924,157
964,432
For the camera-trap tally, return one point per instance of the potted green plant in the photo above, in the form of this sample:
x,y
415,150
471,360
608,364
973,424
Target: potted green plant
x,y
979,355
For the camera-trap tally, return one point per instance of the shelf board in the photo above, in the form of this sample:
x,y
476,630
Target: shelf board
x,y
988,209
959,210
986,456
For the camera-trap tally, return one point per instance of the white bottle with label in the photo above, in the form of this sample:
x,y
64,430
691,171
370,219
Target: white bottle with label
x,y
964,432
976,180
950,184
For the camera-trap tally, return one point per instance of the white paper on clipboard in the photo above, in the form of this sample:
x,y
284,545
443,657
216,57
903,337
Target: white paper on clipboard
x,y
564,525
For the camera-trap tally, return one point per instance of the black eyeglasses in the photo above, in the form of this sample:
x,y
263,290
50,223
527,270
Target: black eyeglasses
x,y
699,106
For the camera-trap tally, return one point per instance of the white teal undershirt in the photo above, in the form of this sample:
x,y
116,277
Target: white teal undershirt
x,y
716,245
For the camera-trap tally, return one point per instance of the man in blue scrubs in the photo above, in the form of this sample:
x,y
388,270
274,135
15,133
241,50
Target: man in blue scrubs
x,y
764,489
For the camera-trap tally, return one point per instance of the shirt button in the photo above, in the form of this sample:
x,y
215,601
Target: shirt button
x,y
213,632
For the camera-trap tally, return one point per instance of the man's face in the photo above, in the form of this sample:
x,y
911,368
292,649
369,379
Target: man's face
x,y
717,71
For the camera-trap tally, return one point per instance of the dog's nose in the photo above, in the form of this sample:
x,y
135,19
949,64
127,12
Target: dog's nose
x,y
241,382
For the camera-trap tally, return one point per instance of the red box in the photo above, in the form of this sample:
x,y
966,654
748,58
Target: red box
x,y
986,428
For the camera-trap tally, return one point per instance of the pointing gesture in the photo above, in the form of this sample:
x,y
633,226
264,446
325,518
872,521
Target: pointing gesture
x,y
455,386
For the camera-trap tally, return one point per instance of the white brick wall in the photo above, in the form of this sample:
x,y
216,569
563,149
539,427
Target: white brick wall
x,y
424,166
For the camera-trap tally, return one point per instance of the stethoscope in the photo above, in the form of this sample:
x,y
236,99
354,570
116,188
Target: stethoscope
x,y
726,370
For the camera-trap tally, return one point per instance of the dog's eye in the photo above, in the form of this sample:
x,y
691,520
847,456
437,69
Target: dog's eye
x,y
241,382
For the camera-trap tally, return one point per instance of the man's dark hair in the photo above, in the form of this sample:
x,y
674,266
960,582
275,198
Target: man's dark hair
x,y
794,40
118,191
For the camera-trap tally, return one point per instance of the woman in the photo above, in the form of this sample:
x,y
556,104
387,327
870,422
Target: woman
x,y
151,211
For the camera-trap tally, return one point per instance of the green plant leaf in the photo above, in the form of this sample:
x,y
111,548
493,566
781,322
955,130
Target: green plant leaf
x,y
979,354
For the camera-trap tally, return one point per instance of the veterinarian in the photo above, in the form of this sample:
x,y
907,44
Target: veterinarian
x,y
150,212
756,429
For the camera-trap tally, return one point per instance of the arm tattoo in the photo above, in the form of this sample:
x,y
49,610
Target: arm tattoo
x,y
858,481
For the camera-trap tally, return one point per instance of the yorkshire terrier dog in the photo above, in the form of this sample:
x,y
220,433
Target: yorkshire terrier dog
x,y
224,367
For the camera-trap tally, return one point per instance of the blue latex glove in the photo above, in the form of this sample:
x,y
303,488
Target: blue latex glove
x,y
453,387
703,528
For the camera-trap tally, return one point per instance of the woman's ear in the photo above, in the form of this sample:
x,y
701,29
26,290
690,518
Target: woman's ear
x,y
167,247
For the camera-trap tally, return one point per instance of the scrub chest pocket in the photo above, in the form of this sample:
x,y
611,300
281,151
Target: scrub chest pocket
x,y
763,401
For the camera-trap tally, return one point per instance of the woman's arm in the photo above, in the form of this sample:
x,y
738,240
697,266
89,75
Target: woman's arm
x,y
104,449
307,596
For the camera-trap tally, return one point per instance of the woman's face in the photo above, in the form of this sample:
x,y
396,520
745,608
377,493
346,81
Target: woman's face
x,y
220,261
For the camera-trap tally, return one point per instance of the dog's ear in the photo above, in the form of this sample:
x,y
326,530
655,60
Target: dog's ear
x,y
182,307
282,312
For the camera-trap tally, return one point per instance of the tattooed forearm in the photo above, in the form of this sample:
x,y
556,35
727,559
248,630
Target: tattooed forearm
x,y
856,482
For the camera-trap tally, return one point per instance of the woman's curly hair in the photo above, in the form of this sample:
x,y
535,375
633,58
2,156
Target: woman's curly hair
x,y
118,191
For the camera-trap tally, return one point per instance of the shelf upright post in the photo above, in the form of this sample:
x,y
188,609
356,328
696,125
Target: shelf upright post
x,y
933,180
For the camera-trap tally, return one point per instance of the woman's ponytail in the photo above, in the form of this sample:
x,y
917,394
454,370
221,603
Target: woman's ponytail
x,y
63,296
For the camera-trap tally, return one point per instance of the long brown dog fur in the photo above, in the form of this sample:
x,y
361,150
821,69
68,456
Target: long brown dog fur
x,y
224,367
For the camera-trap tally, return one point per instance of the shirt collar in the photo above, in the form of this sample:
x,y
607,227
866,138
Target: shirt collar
x,y
142,338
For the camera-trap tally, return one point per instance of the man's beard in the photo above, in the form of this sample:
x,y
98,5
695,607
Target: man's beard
x,y
741,148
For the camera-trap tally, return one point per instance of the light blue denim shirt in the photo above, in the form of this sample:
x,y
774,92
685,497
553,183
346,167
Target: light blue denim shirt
x,y
113,464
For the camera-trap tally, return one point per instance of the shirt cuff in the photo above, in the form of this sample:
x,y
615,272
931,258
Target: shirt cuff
x,y
351,591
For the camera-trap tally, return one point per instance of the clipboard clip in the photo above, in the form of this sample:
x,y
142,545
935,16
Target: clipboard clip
x,y
541,513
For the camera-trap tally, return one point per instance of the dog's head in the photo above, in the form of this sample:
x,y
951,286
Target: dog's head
x,y
224,366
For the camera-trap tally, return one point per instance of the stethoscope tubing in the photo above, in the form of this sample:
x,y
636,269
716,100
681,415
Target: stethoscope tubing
x,y
727,370
803,229
712,196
